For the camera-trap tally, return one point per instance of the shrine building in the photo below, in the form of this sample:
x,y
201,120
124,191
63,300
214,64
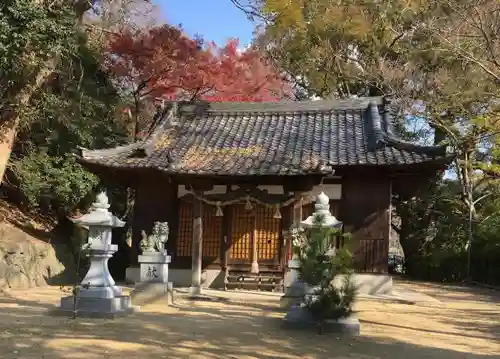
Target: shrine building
x,y
232,178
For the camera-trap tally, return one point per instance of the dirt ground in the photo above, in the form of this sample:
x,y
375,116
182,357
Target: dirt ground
x,y
457,323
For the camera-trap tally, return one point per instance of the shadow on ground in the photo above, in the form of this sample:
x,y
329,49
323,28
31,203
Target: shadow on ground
x,y
454,292
248,328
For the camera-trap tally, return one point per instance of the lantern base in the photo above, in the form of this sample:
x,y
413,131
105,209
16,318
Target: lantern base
x,y
96,307
298,317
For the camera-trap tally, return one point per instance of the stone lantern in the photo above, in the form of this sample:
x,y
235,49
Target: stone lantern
x,y
295,292
298,316
322,207
98,294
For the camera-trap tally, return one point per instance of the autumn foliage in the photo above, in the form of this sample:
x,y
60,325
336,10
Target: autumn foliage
x,y
164,63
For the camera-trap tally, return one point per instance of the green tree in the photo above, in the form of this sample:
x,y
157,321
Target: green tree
x,y
76,107
438,59
34,35
320,262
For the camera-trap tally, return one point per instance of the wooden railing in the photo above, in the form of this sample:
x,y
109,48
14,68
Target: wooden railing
x,y
370,255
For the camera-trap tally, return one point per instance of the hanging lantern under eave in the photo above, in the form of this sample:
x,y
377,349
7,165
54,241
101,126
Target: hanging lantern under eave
x,y
218,211
277,213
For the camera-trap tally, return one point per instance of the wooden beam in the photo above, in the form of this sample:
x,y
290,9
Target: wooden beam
x,y
197,249
241,194
298,180
199,184
174,221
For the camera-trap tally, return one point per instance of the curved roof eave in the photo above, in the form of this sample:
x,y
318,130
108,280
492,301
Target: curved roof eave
x,y
386,137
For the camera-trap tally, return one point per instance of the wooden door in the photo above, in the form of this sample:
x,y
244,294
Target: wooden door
x,y
240,249
267,233
212,234
254,233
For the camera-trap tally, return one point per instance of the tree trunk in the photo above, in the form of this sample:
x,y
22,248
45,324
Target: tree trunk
x,y
10,118
8,135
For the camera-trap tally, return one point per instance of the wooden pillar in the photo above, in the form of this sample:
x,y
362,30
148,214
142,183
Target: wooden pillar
x,y
385,261
226,236
287,214
297,212
135,246
291,215
196,250
253,242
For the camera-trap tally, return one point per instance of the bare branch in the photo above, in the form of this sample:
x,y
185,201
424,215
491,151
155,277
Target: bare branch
x,y
250,10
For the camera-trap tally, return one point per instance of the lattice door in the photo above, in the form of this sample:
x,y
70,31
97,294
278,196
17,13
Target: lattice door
x,y
185,236
241,234
258,225
212,231
267,234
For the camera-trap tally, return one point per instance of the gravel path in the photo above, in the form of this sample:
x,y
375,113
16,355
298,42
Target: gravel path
x,y
462,323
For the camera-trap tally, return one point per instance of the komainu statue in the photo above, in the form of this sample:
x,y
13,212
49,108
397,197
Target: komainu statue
x,y
156,241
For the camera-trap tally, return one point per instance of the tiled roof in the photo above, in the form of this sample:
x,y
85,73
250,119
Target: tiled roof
x,y
281,138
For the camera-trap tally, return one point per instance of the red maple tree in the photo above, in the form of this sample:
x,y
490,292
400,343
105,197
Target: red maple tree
x,y
243,76
164,63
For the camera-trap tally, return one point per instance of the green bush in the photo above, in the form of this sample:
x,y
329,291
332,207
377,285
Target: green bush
x,y
320,262
76,108
53,184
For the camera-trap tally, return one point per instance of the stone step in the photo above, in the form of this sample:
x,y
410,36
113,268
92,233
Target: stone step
x,y
267,279
272,287
261,272
254,275
255,282
248,269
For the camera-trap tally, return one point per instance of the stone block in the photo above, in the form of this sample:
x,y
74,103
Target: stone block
x,y
287,301
147,293
294,294
296,290
96,307
298,317
132,275
154,267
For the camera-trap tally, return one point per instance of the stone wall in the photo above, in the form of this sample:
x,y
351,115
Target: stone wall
x,y
25,261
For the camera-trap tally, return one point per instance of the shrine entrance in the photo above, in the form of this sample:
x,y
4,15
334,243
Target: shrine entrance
x,y
253,260
255,236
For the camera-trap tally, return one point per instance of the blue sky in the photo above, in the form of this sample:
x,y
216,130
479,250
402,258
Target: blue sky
x,y
216,20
